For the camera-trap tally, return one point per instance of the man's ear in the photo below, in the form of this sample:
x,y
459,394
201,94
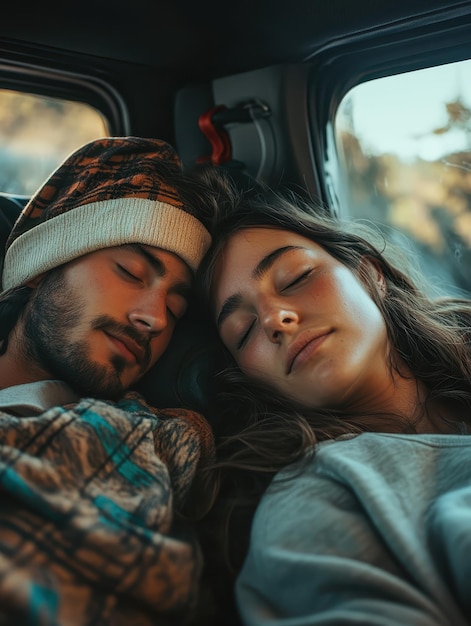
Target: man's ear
x,y
34,282
370,268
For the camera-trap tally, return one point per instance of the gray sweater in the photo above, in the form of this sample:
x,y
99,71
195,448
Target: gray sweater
x,y
372,530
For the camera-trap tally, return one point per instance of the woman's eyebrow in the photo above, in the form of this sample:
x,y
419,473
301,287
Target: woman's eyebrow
x,y
231,304
264,265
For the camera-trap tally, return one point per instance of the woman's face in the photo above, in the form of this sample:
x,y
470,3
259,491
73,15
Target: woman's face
x,y
296,318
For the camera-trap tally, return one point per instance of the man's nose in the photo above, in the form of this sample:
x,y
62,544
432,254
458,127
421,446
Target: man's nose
x,y
278,321
150,315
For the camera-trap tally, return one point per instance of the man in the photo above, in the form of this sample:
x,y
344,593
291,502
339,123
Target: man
x,y
97,272
108,250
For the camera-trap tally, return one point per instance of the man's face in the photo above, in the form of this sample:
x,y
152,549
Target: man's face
x,y
101,321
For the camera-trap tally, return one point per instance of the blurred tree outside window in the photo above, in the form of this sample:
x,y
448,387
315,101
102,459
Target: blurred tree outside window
x,y
403,160
37,134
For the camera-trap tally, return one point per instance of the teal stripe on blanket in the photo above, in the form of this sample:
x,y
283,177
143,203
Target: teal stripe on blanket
x,y
15,485
43,606
120,518
117,451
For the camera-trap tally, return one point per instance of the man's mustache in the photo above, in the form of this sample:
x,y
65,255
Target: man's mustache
x,y
111,326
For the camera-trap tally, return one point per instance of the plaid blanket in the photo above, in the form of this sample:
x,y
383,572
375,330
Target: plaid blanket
x,y
91,530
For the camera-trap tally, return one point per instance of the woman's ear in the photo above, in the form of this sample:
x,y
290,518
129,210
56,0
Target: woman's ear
x,y
371,269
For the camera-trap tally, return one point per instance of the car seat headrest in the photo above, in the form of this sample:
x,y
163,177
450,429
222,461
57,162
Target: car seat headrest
x,y
186,374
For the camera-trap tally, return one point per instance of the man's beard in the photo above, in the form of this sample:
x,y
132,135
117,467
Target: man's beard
x,y
52,314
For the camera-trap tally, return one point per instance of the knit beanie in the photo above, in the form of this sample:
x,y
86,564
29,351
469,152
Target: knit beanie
x,y
111,191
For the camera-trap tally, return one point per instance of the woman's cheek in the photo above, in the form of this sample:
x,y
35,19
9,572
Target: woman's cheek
x,y
255,359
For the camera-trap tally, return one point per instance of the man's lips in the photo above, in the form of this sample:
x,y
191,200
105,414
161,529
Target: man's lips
x,y
302,348
128,347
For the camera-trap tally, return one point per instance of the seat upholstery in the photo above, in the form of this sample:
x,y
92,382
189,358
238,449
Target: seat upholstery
x,y
10,208
186,375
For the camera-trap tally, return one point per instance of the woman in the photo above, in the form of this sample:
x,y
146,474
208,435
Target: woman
x,y
356,391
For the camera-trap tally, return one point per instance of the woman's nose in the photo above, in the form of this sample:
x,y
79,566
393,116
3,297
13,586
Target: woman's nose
x,y
278,321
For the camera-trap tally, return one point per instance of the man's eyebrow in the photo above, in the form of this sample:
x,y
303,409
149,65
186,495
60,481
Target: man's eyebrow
x,y
156,264
231,304
182,288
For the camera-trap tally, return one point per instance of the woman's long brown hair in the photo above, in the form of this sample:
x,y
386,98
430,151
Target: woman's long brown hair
x,y
260,431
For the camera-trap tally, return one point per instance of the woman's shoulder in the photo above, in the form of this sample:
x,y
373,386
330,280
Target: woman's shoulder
x,y
368,461
351,475
376,449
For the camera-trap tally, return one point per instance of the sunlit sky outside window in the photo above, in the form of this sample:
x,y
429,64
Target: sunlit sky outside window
x,y
399,114
404,161
37,133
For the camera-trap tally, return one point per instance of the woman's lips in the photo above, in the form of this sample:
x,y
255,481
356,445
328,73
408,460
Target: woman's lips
x,y
302,349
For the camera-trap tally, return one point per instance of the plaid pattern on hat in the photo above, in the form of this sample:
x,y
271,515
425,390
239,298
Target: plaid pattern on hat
x,y
110,192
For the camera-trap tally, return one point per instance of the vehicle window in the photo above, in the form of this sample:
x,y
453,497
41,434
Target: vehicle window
x,y
37,134
403,159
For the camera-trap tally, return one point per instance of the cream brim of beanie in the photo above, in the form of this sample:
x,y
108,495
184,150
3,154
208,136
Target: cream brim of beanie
x,y
104,224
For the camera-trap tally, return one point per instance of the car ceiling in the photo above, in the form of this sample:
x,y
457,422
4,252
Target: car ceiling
x,y
208,39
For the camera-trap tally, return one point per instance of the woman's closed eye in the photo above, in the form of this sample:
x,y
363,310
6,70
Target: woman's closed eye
x,y
299,279
245,335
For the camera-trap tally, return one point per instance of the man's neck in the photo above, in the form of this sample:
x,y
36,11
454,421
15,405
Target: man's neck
x,y
17,368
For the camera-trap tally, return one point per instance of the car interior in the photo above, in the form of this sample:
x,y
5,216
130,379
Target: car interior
x,y
292,94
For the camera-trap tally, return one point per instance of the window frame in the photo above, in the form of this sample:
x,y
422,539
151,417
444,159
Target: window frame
x,y
437,38
18,72
70,85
